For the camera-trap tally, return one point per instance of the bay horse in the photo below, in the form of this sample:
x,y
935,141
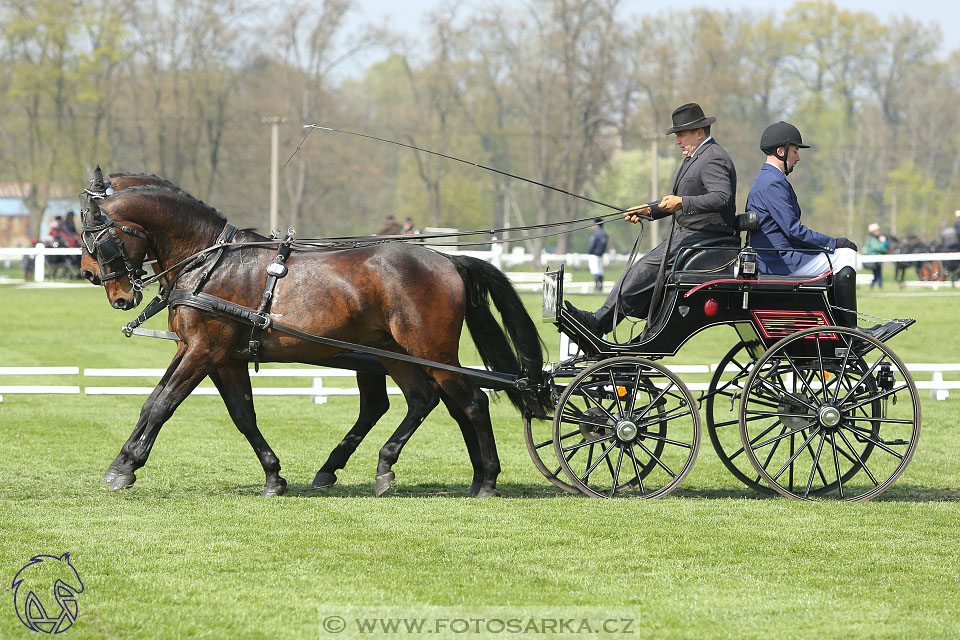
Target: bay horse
x,y
372,385
398,297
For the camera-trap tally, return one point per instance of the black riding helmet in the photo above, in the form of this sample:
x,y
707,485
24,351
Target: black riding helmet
x,y
781,134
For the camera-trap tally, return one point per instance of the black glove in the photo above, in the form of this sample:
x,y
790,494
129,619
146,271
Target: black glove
x,y
844,243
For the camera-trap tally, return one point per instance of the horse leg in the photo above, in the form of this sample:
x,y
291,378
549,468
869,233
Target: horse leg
x,y
469,439
122,460
422,397
373,404
182,376
475,405
233,381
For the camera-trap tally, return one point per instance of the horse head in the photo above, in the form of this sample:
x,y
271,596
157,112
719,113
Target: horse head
x,y
112,254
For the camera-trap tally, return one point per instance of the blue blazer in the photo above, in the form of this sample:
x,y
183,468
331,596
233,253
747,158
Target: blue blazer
x,y
774,199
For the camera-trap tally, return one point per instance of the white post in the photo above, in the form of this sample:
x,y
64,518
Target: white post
x,y
38,263
319,397
935,392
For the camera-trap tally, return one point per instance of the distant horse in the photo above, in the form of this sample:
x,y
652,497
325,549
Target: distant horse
x,y
397,297
372,386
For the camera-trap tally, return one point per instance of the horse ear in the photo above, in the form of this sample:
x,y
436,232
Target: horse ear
x,y
90,214
96,184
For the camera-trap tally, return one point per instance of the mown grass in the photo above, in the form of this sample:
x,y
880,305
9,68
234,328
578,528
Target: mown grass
x,y
192,551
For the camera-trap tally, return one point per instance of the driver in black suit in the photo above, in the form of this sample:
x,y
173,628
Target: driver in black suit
x,y
704,201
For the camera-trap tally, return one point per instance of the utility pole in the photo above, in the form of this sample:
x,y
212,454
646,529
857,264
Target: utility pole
x,y
654,190
274,122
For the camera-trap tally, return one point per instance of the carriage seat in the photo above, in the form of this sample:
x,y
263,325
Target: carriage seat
x,y
718,255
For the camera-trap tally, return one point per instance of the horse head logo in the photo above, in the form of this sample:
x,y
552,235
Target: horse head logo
x,y
45,593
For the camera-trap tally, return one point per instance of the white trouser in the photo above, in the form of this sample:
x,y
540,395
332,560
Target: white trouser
x,y
596,264
839,259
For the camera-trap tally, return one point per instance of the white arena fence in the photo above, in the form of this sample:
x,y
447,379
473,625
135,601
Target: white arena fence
x,y
319,392
518,256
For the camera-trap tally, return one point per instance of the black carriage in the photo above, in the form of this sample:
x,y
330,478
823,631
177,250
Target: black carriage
x,y
798,405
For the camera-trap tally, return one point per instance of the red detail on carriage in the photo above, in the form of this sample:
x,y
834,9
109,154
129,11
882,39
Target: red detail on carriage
x,y
711,307
780,324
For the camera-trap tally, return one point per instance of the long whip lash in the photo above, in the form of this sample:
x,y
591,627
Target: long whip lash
x,y
443,155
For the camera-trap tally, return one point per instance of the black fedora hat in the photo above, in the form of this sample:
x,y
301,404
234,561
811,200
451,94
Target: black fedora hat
x,y
689,116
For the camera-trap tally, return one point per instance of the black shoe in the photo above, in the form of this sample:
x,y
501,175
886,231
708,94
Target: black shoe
x,y
585,318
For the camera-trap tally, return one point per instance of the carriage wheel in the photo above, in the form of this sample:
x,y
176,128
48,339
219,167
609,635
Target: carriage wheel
x,y
626,423
538,435
818,418
722,415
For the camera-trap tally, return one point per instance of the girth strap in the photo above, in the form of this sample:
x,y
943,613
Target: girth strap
x,y
212,304
275,270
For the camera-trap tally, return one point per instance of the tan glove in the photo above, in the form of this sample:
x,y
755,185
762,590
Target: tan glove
x,y
670,204
633,214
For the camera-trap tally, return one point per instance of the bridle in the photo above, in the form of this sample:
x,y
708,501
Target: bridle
x,y
99,234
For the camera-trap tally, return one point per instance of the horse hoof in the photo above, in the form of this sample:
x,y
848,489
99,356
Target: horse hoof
x,y
488,493
272,491
122,481
384,482
324,479
474,488
109,475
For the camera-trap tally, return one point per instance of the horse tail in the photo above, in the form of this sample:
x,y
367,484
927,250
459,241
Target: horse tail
x,y
514,348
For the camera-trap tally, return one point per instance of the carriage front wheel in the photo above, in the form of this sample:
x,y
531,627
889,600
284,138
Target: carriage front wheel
x,y
829,412
626,426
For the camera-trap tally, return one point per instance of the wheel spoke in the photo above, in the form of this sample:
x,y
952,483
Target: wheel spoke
x,y
879,444
836,463
784,435
636,469
861,462
596,462
616,476
584,443
794,397
666,440
563,437
816,462
616,393
879,396
796,453
656,459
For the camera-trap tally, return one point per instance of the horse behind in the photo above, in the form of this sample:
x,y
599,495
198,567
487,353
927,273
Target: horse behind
x,y
396,297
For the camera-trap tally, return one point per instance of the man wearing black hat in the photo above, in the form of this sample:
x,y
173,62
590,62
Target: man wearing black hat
x,y
704,201
595,250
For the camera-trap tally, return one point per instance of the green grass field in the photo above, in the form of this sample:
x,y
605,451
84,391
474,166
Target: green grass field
x,y
191,550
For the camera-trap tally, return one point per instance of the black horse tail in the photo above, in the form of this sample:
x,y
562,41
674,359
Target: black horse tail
x,y
520,350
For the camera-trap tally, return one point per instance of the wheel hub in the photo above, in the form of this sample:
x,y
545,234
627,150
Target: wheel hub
x,y
829,416
626,431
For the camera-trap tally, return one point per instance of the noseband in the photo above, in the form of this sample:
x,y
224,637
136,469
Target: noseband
x,y
99,234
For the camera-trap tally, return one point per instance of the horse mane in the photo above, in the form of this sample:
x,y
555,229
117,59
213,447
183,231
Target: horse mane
x,y
151,176
173,190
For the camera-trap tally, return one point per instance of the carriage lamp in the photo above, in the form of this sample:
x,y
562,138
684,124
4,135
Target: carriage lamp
x,y
711,307
886,377
747,264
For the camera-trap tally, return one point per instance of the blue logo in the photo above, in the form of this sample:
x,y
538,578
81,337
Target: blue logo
x,y
45,593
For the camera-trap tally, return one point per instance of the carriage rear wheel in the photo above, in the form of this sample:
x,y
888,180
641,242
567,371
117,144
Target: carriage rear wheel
x,y
721,405
626,423
830,412
538,435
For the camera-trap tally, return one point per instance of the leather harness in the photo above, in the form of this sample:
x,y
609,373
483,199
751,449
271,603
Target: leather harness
x,y
259,318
